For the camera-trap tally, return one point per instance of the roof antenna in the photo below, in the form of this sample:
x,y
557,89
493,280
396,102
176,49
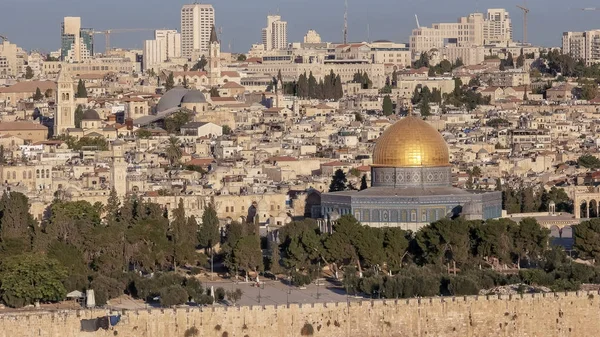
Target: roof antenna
x,y
346,23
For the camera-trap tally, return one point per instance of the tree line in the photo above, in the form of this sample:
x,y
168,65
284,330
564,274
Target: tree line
x,y
112,248
329,87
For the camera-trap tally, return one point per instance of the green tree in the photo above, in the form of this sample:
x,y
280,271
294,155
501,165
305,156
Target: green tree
x,y
388,106
520,61
170,83
173,151
38,95
185,82
303,86
530,240
183,236
48,93
78,116
29,278
81,90
200,65
209,233
312,86
589,89
214,92
112,207
301,244
173,295
338,182
226,130
587,239
241,58
143,133
588,161
247,255
234,295
363,182
275,258
17,226
28,73
174,122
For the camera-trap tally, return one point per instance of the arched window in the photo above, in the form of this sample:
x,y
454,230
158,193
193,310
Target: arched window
x,y
43,175
137,110
24,175
48,173
14,175
37,174
67,95
64,97
29,175
227,209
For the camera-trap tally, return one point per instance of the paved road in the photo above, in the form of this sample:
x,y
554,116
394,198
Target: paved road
x,y
276,292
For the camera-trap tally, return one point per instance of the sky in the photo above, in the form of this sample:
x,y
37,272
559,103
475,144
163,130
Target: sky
x,y
35,24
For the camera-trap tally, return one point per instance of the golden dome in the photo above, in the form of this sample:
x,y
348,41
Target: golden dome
x,y
411,142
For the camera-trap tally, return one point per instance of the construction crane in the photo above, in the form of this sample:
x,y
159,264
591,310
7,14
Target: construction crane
x,y
525,12
417,18
590,9
4,38
123,30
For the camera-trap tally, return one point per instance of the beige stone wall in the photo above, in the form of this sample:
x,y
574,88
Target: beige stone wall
x,y
562,314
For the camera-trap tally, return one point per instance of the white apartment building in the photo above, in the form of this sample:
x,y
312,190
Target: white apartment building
x,y
10,60
172,43
497,28
474,30
274,36
197,21
155,53
466,32
582,45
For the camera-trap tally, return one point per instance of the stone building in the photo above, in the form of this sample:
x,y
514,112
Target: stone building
x,y
411,184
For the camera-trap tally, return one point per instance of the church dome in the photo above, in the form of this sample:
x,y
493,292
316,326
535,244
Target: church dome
x,y
411,142
90,115
171,99
194,96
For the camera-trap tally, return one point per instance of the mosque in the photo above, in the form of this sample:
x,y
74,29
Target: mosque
x,y
411,184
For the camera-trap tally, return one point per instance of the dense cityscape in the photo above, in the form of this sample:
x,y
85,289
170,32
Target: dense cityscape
x,y
463,162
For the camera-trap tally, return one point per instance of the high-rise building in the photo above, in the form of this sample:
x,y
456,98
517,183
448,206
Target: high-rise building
x,y
274,36
155,53
9,60
165,46
77,44
197,21
497,28
583,46
172,42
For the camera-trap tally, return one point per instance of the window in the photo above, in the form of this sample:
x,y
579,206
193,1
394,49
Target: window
x,y
413,216
227,209
24,175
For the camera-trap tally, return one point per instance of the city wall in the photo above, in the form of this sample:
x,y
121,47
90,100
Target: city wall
x,y
547,315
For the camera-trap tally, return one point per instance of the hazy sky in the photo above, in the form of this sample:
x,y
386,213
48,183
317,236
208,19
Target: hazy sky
x,y
35,24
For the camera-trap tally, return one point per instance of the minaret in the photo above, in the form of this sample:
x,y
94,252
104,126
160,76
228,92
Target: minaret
x,y
118,171
64,115
214,62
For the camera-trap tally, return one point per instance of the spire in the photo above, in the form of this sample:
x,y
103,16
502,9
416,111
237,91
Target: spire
x,y
213,35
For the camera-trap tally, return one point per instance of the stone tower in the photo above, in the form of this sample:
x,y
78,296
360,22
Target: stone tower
x,y
64,116
118,171
214,60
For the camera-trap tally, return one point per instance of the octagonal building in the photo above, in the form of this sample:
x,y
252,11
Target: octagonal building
x,y
411,184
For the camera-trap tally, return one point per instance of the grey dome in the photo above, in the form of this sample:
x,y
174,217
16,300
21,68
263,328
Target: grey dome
x,y
90,115
171,99
194,96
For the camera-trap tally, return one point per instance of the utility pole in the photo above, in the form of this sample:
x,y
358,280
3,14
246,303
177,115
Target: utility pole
x,y
346,23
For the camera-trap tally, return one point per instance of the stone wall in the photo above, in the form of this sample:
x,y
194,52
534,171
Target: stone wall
x,y
547,315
